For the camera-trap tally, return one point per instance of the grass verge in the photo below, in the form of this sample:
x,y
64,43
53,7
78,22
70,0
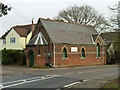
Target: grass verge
x,y
112,85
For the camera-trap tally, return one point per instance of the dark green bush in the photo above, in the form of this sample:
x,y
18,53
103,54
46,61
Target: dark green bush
x,y
13,57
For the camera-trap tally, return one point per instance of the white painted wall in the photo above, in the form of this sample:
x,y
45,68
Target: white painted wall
x,y
16,45
20,42
28,37
1,42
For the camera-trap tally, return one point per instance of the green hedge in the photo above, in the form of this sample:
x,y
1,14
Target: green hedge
x,y
13,57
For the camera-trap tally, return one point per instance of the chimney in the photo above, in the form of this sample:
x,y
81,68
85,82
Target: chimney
x,y
32,26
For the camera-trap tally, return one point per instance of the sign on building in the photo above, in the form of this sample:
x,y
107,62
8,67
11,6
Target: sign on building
x,y
74,49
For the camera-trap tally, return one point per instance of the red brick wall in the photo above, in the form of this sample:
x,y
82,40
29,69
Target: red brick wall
x,y
74,58
39,60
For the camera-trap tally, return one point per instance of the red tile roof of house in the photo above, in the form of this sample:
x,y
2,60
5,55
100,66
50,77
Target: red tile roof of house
x,y
22,30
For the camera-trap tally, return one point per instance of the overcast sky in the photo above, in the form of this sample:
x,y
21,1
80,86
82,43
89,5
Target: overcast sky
x,y
23,11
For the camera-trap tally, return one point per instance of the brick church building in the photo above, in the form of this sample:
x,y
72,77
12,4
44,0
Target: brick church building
x,y
60,44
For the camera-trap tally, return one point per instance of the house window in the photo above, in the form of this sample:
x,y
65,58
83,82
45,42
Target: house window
x,y
64,53
98,50
83,53
4,41
12,40
38,52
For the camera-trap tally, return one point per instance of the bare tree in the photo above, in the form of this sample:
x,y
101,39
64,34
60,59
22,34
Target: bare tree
x,y
115,16
4,9
83,15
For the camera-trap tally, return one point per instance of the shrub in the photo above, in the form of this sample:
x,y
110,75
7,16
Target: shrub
x,y
13,57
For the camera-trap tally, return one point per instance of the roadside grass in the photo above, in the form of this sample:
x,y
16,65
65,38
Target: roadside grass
x,y
38,66
41,67
112,85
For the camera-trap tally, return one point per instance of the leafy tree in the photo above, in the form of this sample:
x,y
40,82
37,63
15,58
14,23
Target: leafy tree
x,y
4,9
83,15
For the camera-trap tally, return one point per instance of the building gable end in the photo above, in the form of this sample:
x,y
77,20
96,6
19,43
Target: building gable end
x,y
14,31
98,39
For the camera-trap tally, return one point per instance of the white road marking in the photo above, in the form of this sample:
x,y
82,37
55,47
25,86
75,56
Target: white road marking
x,y
19,82
13,82
71,84
85,80
1,86
42,77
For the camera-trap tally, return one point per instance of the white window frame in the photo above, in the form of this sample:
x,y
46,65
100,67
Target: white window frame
x,y
12,40
4,41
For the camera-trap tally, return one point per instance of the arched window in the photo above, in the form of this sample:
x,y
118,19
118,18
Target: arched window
x,y
98,50
83,53
64,53
38,52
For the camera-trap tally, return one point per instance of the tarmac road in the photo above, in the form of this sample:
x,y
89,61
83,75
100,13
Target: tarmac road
x,y
58,77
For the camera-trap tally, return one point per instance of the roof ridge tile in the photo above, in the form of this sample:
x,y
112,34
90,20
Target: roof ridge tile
x,y
66,22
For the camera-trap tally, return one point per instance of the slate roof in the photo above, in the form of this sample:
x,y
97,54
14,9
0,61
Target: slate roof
x,y
22,30
62,32
109,36
94,37
66,33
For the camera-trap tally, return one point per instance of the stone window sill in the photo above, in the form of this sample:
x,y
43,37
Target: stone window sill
x,y
64,58
98,57
39,55
83,58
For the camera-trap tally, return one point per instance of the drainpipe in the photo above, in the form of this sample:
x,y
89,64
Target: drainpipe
x,y
102,55
47,55
54,54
